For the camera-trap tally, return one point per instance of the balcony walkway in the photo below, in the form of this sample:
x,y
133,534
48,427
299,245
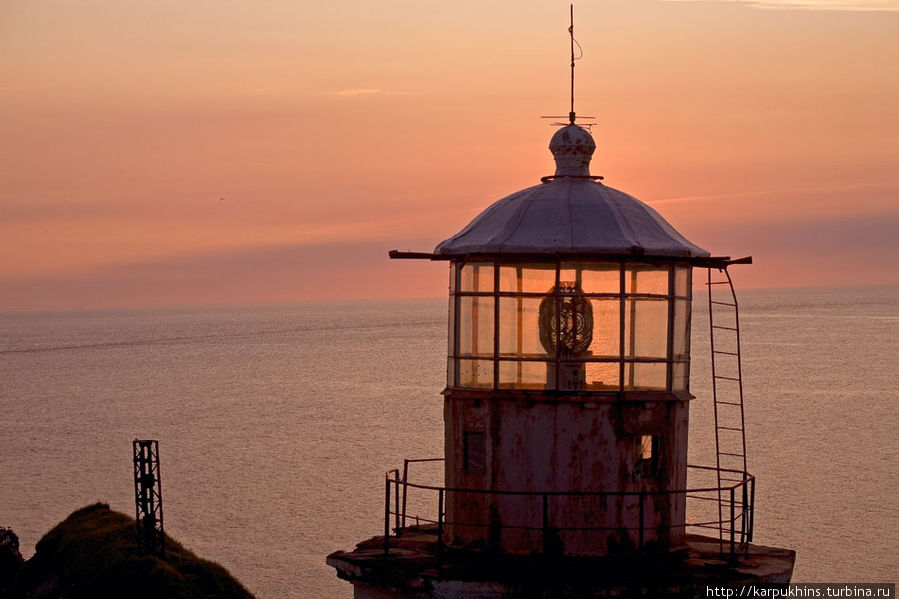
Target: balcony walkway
x,y
413,569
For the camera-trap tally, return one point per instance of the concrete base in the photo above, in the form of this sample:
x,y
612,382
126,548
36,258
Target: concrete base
x,y
412,570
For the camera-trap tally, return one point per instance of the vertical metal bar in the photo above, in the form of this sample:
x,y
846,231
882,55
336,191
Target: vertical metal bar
x,y
386,516
670,347
457,304
621,309
396,501
159,501
743,514
545,524
632,337
571,32
496,325
136,449
689,324
557,302
751,508
642,524
732,521
519,346
475,322
405,489
440,521
733,295
715,407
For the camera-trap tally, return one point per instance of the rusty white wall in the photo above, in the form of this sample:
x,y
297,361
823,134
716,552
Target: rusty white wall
x,y
540,444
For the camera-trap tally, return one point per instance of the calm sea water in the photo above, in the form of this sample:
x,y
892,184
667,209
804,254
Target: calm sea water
x,y
277,423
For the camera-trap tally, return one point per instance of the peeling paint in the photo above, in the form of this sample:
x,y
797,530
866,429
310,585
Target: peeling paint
x,y
547,446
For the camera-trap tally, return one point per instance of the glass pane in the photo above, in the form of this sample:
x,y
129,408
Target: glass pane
x,y
683,281
639,279
680,376
681,329
646,375
519,327
534,278
475,326
646,328
645,447
451,327
593,278
606,329
477,276
602,376
523,375
476,373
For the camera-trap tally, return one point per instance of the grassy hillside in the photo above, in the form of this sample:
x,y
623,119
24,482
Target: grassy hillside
x,y
93,553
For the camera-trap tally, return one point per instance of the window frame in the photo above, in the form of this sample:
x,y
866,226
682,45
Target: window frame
x,y
627,302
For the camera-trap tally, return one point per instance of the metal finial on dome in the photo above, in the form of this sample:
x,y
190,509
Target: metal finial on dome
x,y
572,147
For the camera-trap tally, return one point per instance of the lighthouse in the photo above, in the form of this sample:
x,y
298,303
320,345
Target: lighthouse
x,y
567,398
566,412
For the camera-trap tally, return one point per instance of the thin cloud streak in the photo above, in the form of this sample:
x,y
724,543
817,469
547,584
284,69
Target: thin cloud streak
x,y
767,192
365,91
859,5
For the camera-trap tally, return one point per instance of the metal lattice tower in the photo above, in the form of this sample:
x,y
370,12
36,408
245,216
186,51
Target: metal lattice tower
x,y
148,497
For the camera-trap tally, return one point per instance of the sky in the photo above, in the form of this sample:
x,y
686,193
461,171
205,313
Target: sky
x,y
169,152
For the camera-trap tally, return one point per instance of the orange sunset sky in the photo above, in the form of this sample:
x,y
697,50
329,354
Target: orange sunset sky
x,y
168,152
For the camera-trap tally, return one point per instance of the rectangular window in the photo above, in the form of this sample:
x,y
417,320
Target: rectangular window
x,y
606,328
519,327
476,277
519,374
475,373
475,326
680,376
593,278
646,328
646,279
645,376
682,285
681,328
475,452
533,278
647,449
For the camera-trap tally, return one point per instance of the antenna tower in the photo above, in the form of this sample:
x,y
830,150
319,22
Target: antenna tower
x,y
148,497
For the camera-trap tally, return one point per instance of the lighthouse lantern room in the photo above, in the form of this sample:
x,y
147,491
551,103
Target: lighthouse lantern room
x,y
568,368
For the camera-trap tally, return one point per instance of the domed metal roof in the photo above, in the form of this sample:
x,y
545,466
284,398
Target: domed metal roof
x,y
571,213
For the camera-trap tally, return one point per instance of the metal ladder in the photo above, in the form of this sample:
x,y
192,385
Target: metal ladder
x,y
727,391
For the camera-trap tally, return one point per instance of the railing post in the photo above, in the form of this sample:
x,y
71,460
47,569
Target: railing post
x,y
405,489
386,516
440,521
396,501
733,523
743,512
751,508
545,524
642,501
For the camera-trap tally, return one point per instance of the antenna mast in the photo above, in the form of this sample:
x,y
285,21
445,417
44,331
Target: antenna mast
x,y
571,116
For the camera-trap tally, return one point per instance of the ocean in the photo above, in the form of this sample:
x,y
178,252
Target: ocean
x,y
276,424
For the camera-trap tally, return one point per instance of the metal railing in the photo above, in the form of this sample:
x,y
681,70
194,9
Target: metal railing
x,y
735,530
